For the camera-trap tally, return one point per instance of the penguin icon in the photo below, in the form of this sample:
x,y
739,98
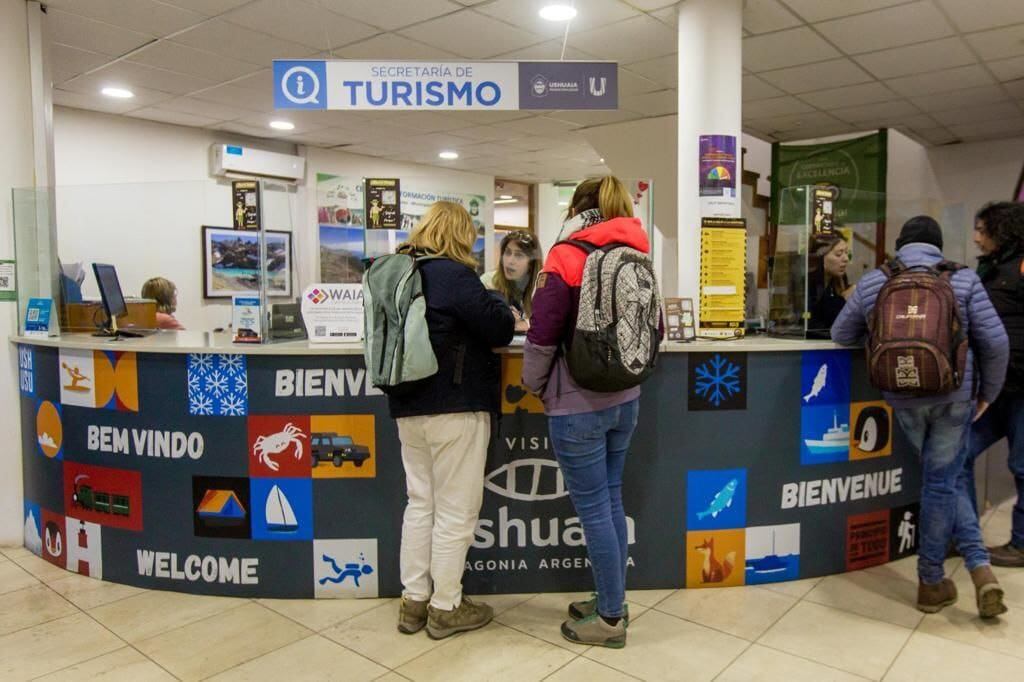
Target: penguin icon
x,y
871,432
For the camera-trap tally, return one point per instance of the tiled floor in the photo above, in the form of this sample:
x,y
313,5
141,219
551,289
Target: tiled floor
x,y
59,626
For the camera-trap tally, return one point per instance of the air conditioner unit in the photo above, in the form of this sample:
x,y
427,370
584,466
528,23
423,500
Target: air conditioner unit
x,y
236,161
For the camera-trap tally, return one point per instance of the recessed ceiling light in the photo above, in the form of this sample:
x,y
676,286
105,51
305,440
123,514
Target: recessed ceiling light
x,y
506,196
282,125
449,155
602,160
558,12
119,93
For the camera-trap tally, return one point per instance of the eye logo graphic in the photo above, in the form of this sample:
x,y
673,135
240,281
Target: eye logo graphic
x,y
528,480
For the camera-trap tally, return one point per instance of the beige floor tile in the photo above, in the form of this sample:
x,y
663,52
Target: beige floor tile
x,y
312,658
492,653
88,593
745,612
318,614
961,623
873,595
40,568
663,647
542,617
586,670
927,658
648,598
14,577
797,589
375,635
155,611
123,665
503,602
14,551
761,664
222,641
31,606
53,646
843,640
392,677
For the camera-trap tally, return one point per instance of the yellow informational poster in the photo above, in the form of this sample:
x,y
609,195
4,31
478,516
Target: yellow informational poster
x,y
723,262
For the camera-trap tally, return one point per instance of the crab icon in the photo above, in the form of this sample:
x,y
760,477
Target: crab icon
x,y
276,443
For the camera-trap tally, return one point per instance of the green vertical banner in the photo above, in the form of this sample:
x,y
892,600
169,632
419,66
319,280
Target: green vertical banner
x,y
854,168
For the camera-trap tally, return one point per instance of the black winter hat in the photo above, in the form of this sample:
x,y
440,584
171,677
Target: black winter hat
x,y
920,229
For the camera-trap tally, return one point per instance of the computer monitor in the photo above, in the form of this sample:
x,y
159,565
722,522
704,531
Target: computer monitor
x,y
110,292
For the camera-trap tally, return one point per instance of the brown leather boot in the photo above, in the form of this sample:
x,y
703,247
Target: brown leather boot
x,y
934,598
988,592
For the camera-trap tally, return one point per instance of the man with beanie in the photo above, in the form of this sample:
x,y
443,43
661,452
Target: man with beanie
x,y
938,425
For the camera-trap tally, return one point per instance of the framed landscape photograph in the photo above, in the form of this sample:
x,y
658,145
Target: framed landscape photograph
x,y
231,262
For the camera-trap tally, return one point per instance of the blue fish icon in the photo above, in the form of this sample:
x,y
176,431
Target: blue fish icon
x,y
721,501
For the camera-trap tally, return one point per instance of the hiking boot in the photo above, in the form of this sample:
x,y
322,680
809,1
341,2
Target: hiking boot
x,y
594,630
581,609
934,598
464,617
989,593
1007,556
412,616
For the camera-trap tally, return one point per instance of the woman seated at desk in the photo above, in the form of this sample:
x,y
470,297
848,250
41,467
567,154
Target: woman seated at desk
x,y
165,294
827,284
516,276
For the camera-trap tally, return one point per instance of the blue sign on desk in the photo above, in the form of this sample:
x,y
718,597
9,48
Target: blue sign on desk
x,y
37,316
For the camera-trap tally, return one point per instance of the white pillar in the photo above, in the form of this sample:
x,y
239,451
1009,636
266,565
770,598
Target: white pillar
x,y
710,97
16,170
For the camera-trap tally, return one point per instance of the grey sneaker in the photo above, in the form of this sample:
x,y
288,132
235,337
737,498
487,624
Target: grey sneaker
x,y
593,630
412,616
581,609
466,616
1007,556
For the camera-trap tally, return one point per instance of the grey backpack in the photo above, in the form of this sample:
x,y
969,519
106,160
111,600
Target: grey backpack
x,y
615,342
397,347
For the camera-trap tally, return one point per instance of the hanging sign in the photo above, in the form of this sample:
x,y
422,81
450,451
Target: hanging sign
x,y
333,313
382,208
343,84
245,204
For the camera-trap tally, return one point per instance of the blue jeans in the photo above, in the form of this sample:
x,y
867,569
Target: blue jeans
x,y
939,433
1003,419
591,451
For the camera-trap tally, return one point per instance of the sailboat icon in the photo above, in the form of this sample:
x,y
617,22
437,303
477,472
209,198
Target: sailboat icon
x,y
279,513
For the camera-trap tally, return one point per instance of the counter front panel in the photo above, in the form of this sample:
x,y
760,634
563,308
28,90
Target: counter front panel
x,y
281,475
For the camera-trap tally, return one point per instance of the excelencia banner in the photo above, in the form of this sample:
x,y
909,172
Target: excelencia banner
x,y
455,86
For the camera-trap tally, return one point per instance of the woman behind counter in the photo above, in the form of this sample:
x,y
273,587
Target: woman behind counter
x,y
827,284
165,294
516,276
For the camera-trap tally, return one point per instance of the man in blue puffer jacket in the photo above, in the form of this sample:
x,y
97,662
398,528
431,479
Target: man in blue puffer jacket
x,y
938,425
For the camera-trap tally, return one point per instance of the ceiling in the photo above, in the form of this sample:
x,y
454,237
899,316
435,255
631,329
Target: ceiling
x,y
940,70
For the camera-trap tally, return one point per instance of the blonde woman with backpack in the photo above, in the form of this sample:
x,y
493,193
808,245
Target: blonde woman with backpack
x,y
591,429
444,424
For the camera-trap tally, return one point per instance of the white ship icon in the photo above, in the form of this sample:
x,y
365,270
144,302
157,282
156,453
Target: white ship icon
x,y
836,439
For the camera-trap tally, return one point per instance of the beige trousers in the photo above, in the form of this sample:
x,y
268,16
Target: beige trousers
x,y
444,457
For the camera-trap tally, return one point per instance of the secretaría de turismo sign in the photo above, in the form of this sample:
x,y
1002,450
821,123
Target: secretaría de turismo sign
x,y
343,84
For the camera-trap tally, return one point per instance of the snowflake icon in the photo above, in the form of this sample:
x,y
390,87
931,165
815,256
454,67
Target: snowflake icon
x,y
194,385
200,362
241,386
717,380
200,405
232,364
216,384
233,406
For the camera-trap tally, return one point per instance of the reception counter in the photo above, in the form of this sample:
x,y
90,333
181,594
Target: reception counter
x,y
183,462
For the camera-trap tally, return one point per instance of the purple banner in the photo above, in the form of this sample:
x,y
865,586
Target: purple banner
x,y
568,85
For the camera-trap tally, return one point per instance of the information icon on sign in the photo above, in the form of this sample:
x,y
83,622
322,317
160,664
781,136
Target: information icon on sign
x,y
301,85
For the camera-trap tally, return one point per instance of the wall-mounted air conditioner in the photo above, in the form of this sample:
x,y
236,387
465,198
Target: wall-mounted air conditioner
x,y
236,161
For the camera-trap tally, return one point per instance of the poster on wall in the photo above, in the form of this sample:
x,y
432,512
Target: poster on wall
x,y
231,262
339,200
333,312
341,254
723,260
415,204
382,207
824,209
8,281
245,198
718,169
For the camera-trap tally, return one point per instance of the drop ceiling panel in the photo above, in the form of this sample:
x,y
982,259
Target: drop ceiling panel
x,y
785,48
777,106
78,100
392,46
220,37
1016,89
892,27
244,98
428,121
539,125
650,5
820,10
936,136
655,103
594,118
198,107
979,114
69,62
632,40
525,14
999,43
300,22
820,76
851,95
176,117
941,81
1008,69
989,129
931,56
210,8
94,36
184,59
484,133
145,16
471,35
815,119
550,50
968,15
761,16
634,84
389,14
970,97
882,111
133,76
664,70
668,15
754,88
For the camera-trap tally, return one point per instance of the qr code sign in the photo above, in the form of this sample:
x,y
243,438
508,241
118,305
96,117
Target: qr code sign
x,y
320,331
5,282
33,315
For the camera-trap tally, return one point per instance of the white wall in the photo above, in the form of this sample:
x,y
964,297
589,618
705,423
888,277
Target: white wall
x,y
759,160
16,163
513,215
136,193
